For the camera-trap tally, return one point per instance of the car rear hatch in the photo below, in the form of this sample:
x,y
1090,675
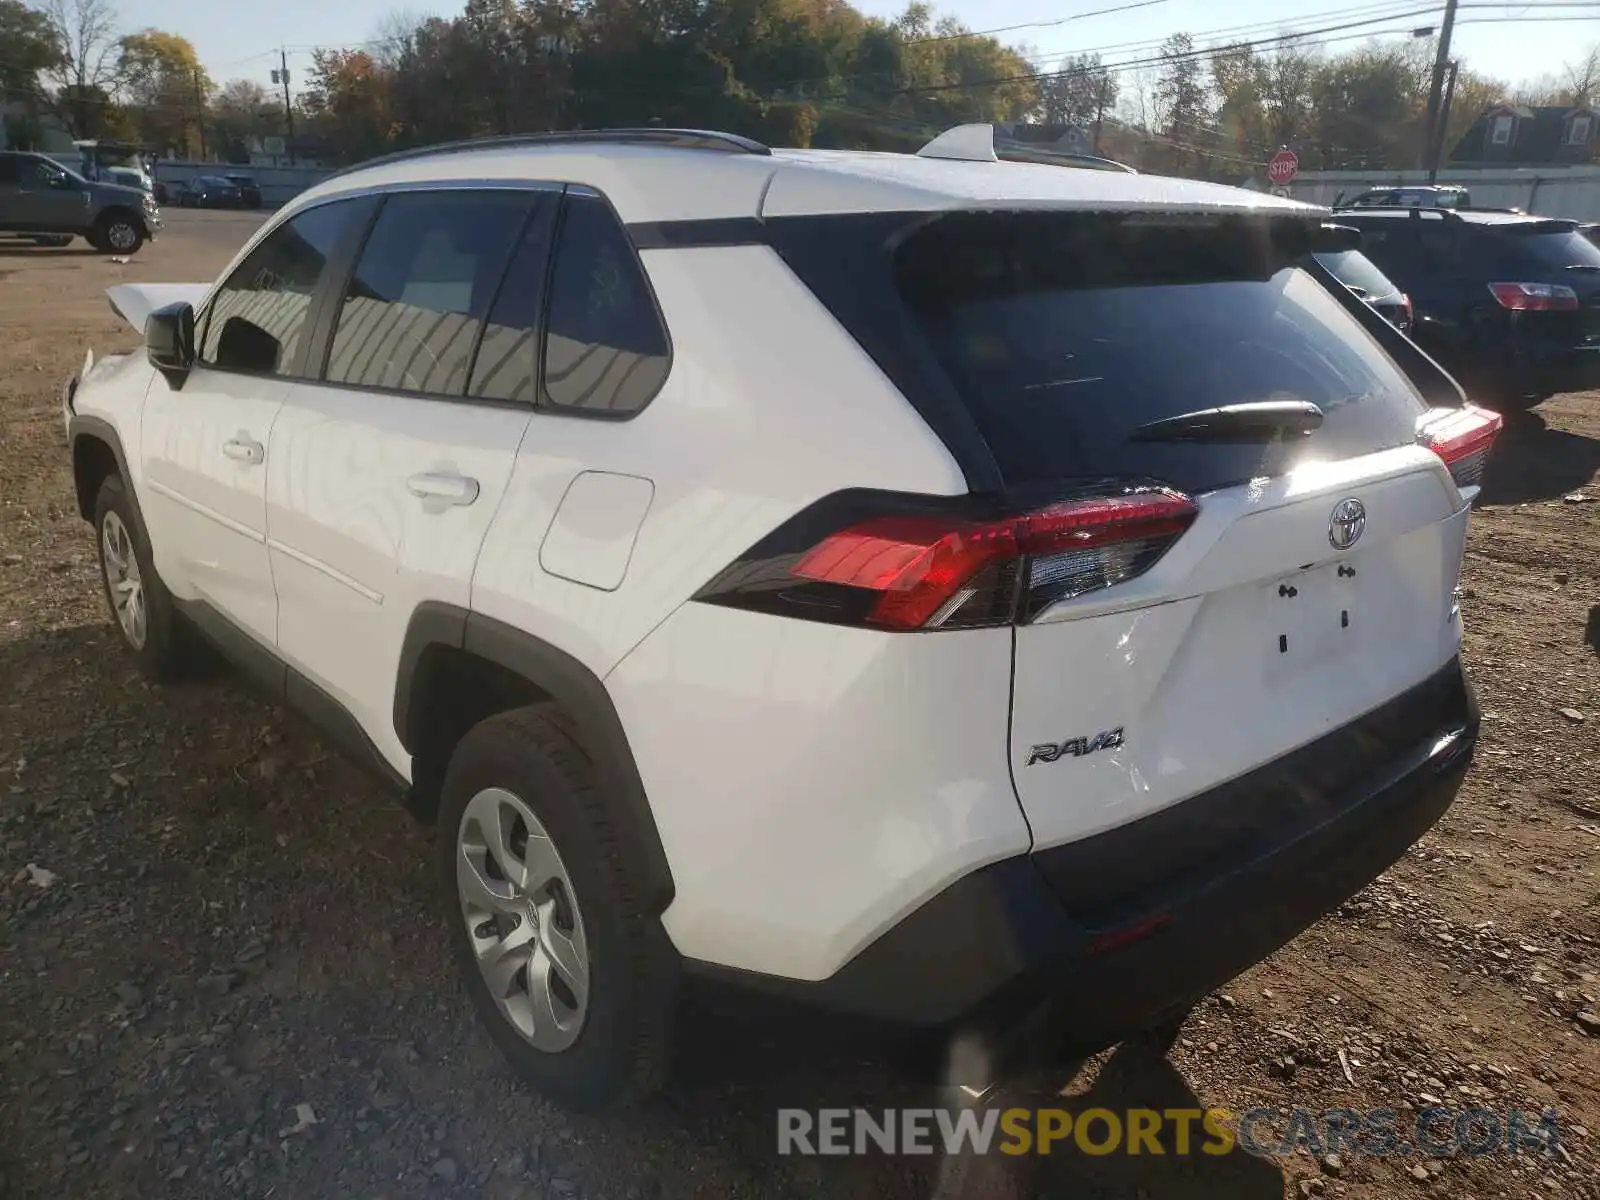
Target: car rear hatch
x,y
1548,280
1292,567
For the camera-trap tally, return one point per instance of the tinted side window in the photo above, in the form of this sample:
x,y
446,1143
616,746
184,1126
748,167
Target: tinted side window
x,y
1390,244
606,350
10,168
419,293
258,316
506,365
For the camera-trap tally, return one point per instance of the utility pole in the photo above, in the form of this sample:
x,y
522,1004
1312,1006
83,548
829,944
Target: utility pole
x,y
200,112
1099,112
1441,60
282,75
1444,122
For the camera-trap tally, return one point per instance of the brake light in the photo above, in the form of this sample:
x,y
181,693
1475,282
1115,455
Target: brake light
x,y
1462,437
940,570
1535,297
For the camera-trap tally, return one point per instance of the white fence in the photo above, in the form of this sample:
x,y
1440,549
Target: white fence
x,y
1549,191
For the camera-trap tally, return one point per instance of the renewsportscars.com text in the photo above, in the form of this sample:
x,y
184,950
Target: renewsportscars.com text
x,y
1268,1132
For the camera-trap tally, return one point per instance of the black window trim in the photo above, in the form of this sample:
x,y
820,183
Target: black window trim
x,y
356,233
319,321
552,223
331,298
542,401
326,299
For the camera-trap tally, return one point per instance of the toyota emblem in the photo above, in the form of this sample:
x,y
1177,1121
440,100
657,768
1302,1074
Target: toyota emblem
x,y
1345,526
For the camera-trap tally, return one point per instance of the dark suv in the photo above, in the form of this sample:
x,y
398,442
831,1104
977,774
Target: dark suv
x,y
1509,303
43,201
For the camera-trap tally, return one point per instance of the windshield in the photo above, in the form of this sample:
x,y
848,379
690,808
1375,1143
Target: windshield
x,y
1355,269
1064,334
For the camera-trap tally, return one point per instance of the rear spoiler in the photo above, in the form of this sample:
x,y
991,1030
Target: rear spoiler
x,y
134,302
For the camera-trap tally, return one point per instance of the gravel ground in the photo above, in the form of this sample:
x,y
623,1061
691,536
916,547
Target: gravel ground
x,y
221,974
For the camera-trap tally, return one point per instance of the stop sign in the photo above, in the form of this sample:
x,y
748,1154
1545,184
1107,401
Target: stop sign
x,y
1283,166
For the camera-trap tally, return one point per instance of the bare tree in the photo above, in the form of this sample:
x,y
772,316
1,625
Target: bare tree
x,y
1583,77
394,34
91,65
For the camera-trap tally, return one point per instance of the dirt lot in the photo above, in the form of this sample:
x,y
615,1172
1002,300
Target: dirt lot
x,y
237,923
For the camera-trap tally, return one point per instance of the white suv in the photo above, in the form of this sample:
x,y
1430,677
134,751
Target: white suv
x,y
982,596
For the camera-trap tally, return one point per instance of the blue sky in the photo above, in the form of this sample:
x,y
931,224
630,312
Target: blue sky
x,y
240,40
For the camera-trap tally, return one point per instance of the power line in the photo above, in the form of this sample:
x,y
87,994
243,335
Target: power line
x,y
1083,16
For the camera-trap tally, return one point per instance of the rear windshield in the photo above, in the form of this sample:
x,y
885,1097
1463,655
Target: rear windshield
x,y
1544,249
1066,333
1355,269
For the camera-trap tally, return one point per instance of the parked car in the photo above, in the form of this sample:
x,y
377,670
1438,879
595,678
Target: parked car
x,y
249,190
1509,303
1442,195
210,191
1338,251
42,200
805,659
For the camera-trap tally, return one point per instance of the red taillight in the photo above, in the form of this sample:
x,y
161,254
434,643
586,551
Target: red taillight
x,y
1462,437
1535,297
939,571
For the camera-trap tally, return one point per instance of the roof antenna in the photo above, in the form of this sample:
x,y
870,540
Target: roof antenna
x,y
964,143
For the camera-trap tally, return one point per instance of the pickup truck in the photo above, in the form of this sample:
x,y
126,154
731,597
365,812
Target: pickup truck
x,y
43,201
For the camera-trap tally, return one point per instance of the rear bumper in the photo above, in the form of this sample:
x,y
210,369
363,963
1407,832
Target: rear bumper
x,y
1098,939
1547,370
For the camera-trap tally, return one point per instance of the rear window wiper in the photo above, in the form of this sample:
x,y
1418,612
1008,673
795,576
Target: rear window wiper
x,y
1262,421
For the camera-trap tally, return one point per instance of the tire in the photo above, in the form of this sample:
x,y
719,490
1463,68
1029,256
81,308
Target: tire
x,y
118,233
605,1043
166,648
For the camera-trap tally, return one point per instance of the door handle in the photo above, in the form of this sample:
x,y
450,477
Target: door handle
x,y
244,449
438,490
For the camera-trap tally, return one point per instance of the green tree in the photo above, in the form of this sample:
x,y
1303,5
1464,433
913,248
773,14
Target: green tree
x,y
1368,107
28,46
1078,92
1182,106
348,99
165,90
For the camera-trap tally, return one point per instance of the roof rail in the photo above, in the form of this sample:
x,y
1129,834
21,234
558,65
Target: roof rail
x,y
1416,210
683,139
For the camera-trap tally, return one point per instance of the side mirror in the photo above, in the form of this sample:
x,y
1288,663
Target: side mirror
x,y
169,341
61,183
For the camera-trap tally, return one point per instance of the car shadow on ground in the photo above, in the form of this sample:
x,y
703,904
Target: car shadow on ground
x,y
728,1049
1530,461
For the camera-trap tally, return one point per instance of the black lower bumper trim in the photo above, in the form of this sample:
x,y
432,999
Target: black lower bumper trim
x,y
1019,938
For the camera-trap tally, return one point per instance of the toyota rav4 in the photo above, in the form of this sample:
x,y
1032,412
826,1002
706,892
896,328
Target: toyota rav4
x,y
975,596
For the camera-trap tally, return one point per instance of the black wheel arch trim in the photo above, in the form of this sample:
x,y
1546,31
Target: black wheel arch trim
x,y
81,426
579,692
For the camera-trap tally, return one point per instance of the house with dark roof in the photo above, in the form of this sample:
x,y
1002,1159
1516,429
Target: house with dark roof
x,y
1516,135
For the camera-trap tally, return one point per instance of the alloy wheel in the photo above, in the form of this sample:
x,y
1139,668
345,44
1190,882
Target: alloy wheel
x,y
123,581
522,919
